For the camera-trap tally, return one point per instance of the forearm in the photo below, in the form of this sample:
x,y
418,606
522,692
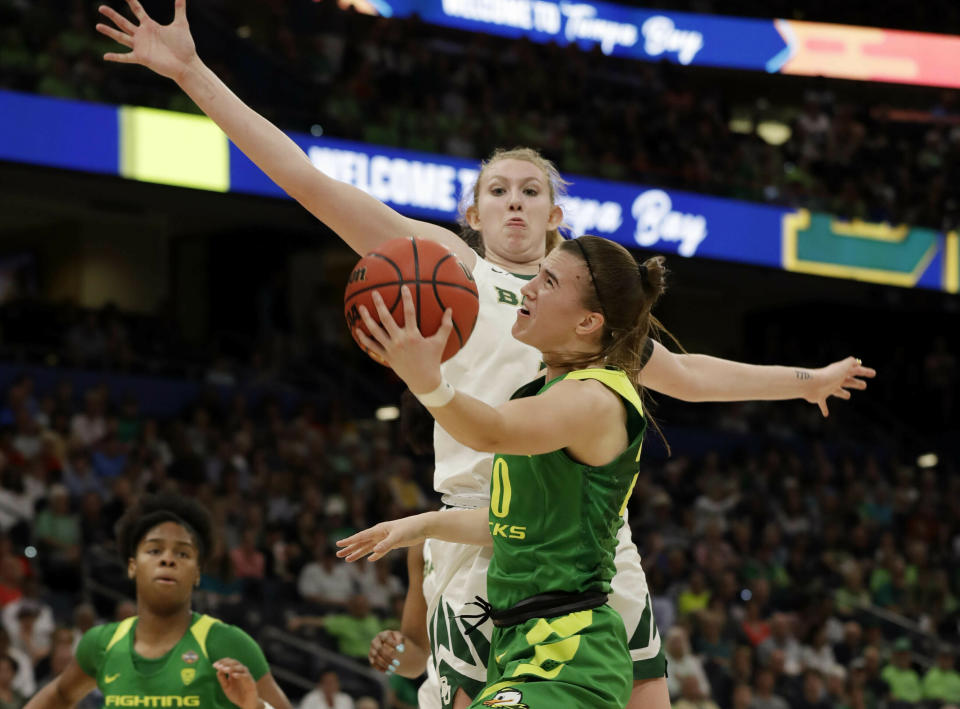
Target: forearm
x,y
459,526
413,659
715,379
471,422
49,698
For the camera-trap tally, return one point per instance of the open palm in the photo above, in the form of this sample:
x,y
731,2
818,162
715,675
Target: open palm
x,y
166,49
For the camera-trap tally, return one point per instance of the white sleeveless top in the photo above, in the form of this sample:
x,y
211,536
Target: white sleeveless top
x,y
490,367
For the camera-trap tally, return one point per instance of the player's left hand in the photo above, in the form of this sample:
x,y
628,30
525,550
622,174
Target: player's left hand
x,y
837,380
237,683
415,358
381,538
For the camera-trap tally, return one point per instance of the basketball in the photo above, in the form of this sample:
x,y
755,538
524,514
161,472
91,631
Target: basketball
x,y
437,280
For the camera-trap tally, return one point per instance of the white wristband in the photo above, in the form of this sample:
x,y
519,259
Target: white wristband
x,y
266,704
441,396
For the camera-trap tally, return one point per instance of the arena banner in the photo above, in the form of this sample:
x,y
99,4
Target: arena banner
x,y
776,46
184,150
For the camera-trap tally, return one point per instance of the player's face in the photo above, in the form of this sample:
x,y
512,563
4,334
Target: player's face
x,y
514,211
166,566
552,317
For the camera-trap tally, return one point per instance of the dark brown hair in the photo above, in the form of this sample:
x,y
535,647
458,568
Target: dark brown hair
x,y
624,292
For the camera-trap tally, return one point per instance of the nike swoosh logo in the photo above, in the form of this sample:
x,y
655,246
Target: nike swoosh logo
x,y
110,678
500,656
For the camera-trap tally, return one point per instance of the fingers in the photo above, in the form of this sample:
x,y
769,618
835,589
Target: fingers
x,y
376,329
823,408
180,11
119,20
115,35
854,383
125,58
227,668
386,317
446,326
372,347
137,9
409,310
842,394
868,372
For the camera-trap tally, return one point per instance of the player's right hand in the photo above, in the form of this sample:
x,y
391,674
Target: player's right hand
x,y
385,651
166,49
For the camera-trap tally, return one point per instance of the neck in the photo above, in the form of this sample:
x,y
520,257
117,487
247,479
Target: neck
x,y
527,268
155,626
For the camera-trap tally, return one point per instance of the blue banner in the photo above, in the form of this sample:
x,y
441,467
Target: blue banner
x,y
82,136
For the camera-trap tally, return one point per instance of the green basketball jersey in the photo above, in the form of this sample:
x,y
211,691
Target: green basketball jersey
x,y
554,521
184,677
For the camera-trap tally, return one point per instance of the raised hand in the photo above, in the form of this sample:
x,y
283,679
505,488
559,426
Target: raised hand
x,y
237,683
166,49
837,380
415,358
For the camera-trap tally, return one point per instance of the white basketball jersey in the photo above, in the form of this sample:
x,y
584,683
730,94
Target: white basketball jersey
x,y
490,367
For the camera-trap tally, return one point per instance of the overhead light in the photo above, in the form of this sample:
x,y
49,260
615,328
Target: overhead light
x,y
774,132
387,413
928,460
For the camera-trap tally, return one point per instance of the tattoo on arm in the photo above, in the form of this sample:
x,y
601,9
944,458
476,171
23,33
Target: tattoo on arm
x,y
803,375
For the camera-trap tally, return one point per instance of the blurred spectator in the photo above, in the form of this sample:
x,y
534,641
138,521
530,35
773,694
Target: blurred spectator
x,y
23,680
814,694
902,680
763,696
326,581
693,696
353,630
327,694
406,492
941,683
10,697
683,663
379,585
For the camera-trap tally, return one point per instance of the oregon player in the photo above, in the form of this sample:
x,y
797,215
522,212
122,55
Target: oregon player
x,y
566,463
166,655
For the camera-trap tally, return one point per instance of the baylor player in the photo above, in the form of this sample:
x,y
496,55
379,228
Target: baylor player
x,y
568,445
166,655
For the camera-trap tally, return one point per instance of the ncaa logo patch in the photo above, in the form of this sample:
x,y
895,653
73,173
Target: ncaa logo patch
x,y
187,674
189,657
508,698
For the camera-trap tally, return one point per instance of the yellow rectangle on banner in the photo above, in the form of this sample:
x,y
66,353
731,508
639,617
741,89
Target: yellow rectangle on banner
x,y
173,149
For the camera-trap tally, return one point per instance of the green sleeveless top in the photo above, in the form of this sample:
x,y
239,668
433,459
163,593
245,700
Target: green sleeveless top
x,y
184,677
554,520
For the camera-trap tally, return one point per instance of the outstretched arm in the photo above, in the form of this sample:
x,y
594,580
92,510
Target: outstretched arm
x,y
458,526
361,220
696,377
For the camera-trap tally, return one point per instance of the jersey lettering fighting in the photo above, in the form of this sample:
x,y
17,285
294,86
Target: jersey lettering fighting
x,y
554,520
184,677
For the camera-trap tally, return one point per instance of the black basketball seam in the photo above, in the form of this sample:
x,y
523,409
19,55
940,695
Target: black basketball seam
x,y
387,284
399,275
416,275
436,295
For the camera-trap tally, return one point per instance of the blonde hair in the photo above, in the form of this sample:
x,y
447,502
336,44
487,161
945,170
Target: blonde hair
x,y
555,183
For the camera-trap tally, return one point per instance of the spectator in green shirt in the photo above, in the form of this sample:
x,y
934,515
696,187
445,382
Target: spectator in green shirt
x,y
353,630
901,678
942,681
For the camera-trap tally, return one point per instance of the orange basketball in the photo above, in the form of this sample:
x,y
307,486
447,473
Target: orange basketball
x,y
437,280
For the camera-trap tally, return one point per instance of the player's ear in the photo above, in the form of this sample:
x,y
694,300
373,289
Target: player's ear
x,y
131,568
473,217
